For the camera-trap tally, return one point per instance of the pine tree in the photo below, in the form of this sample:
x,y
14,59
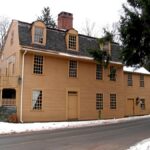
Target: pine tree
x,y
135,33
47,18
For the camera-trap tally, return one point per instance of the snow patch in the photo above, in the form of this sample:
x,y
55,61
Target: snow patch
x,y
136,70
143,145
8,128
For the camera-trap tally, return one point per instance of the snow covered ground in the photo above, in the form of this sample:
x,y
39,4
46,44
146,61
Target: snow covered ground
x,y
143,145
8,128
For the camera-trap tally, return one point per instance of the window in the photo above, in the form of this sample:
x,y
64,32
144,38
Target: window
x,y
142,102
6,72
37,100
8,97
11,69
72,42
112,101
8,93
112,73
99,101
38,35
38,64
39,32
99,72
130,82
12,38
141,80
72,68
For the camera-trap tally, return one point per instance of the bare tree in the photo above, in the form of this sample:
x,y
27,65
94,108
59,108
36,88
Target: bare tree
x,y
4,24
113,31
89,28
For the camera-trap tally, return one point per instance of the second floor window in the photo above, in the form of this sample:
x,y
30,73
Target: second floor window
x,y
72,68
72,42
141,80
38,35
130,81
38,64
99,72
112,73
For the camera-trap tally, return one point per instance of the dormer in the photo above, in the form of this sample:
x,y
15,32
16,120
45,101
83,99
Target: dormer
x,y
106,46
72,40
38,33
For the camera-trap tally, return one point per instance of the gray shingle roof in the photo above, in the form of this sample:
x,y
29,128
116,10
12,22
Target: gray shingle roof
x,y
55,41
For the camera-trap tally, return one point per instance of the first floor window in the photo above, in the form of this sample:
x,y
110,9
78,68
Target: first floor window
x,y
37,100
112,101
99,101
142,104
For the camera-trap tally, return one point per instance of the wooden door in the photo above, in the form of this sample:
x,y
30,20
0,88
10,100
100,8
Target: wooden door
x,y
72,105
130,107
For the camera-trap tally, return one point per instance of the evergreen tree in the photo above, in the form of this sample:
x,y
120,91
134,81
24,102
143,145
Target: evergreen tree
x,y
135,33
47,18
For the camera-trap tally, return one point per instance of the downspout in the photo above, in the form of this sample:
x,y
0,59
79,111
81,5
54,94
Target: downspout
x,y
22,83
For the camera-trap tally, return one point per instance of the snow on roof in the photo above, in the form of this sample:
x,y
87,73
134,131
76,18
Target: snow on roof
x,y
140,70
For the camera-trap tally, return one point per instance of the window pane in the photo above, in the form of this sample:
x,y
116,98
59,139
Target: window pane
x,y
142,102
112,73
130,82
99,72
38,35
141,80
112,101
99,101
72,68
38,64
72,42
37,99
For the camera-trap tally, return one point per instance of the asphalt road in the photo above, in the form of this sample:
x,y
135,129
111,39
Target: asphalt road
x,y
109,137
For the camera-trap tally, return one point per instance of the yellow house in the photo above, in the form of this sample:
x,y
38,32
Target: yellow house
x,y
48,75
137,87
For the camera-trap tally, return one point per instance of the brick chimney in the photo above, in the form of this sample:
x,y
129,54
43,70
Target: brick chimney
x,y
65,20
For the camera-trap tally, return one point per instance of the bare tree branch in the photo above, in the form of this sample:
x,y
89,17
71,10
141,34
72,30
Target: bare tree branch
x,y
4,24
89,28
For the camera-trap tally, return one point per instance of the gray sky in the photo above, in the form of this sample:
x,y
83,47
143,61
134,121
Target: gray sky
x,y
100,12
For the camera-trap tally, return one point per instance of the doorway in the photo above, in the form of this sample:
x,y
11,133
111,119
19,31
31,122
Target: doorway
x,y
72,105
130,107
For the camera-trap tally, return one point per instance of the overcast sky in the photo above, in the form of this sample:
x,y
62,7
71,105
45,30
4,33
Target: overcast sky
x,y
100,12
